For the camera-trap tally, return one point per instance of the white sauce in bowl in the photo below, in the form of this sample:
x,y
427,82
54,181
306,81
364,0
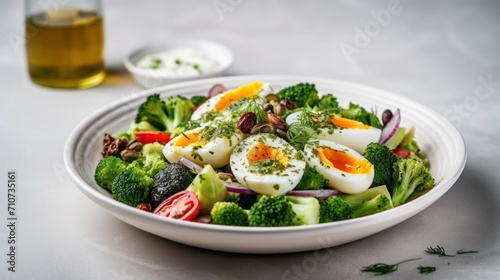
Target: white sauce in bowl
x,y
180,62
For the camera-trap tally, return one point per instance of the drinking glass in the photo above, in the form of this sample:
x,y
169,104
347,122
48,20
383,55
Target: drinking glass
x,y
65,43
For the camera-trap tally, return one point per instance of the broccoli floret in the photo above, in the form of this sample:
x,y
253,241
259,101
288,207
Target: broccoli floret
x,y
178,109
419,157
382,159
152,159
152,111
302,94
245,201
131,186
172,179
164,115
106,171
311,180
208,188
306,209
229,213
409,175
358,113
185,126
272,211
371,201
347,206
198,100
334,208
328,102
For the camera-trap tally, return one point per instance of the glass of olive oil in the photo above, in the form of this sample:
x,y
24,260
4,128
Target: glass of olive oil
x,y
65,43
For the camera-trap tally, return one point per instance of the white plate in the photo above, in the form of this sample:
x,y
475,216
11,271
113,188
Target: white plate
x,y
440,140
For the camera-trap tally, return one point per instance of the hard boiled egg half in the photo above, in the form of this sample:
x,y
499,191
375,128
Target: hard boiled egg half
x,y
345,169
219,102
197,147
351,133
267,164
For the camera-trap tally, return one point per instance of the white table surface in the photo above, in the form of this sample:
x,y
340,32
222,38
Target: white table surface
x,y
439,53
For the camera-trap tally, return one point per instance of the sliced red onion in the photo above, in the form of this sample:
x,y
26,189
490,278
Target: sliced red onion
x,y
315,193
237,188
216,89
390,128
189,164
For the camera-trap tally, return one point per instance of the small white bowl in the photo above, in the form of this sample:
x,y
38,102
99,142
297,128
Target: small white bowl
x,y
150,78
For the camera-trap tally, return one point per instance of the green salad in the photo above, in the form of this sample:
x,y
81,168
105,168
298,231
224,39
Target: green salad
x,y
255,156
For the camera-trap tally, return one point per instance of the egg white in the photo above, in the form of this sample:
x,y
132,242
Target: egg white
x,y
215,152
265,91
337,179
206,106
276,182
355,138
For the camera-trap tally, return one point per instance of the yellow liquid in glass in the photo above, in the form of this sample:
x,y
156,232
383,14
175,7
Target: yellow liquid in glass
x,y
66,49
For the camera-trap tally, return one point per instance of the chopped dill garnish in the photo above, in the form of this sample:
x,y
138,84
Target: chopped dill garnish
x,y
298,135
267,166
316,120
197,68
245,104
220,129
155,63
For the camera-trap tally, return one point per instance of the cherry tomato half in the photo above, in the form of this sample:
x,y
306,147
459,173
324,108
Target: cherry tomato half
x,y
183,205
147,137
402,153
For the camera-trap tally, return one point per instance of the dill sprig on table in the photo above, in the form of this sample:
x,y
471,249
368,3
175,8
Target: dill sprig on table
x,y
382,268
438,250
426,269
462,251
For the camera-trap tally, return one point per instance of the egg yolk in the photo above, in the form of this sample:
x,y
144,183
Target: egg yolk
x,y
262,151
344,161
188,139
347,123
249,90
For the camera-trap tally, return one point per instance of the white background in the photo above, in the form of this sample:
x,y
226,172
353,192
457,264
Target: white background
x,y
436,52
